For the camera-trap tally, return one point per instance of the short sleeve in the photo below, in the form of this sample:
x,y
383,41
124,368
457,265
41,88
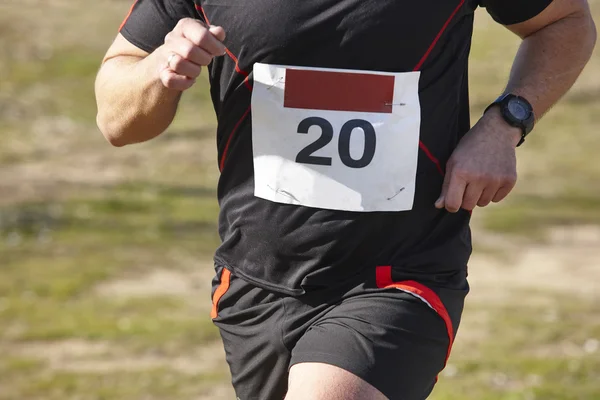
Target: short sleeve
x,y
508,12
149,21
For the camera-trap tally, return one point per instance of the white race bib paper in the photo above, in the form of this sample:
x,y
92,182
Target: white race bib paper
x,y
335,139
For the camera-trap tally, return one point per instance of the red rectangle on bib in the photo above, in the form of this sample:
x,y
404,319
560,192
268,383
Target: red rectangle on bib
x,y
338,91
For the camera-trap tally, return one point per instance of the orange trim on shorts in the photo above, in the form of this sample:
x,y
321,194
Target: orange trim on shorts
x,y
128,15
221,290
384,281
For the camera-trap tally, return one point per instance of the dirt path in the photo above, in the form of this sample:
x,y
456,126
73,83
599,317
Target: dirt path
x,y
568,263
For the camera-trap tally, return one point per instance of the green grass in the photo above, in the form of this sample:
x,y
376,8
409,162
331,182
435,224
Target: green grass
x,y
128,214
151,384
68,76
525,356
57,253
533,215
154,323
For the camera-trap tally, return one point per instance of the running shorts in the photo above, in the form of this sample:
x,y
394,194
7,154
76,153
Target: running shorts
x,y
392,329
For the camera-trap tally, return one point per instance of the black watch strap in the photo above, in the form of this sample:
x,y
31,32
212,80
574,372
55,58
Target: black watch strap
x,y
517,112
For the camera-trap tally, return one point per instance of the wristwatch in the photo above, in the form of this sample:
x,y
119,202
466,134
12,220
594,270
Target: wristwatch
x,y
517,112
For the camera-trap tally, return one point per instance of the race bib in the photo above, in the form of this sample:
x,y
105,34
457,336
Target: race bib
x,y
335,139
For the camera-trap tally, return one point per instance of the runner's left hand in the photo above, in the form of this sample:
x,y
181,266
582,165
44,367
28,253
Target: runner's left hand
x,y
483,167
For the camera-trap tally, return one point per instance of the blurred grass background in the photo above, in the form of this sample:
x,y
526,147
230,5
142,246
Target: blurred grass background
x,y
105,254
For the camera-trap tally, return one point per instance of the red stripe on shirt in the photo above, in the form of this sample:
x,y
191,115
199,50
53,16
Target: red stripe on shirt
x,y
201,11
128,15
420,64
431,157
229,53
438,36
233,131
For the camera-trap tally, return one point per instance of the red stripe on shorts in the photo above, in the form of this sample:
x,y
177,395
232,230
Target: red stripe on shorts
x,y
384,281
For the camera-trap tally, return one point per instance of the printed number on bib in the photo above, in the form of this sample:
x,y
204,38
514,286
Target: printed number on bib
x,y
305,156
335,139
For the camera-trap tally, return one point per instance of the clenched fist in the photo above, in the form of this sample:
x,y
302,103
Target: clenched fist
x,y
189,47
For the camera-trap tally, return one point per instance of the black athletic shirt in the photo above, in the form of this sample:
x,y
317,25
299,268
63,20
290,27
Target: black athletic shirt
x,y
293,249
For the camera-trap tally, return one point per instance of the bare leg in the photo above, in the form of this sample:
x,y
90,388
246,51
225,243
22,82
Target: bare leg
x,y
317,381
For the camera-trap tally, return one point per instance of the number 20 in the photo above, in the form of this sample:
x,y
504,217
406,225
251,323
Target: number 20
x,y
305,156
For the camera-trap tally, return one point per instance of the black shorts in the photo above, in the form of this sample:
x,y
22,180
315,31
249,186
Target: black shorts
x,y
395,332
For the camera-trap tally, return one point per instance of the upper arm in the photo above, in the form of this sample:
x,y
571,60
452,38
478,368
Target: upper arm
x,y
525,17
123,47
146,25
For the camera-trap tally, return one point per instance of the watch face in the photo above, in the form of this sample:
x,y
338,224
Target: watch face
x,y
519,109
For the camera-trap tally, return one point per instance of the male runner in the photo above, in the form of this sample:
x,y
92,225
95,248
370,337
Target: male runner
x,y
348,169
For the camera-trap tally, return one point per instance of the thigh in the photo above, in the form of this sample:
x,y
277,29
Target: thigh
x,y
391,337
318,381
249,321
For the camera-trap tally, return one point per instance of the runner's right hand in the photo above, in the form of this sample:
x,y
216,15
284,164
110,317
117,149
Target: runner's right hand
x,y
189,47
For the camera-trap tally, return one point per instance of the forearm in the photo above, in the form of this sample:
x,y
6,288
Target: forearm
x,y
133,104
550,60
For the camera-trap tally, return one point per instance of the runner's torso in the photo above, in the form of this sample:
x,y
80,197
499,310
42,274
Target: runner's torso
x,y
293,248
290,247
